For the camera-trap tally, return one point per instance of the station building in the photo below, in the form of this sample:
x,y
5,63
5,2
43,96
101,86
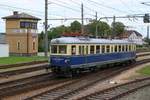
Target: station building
x,y
22,34
4,47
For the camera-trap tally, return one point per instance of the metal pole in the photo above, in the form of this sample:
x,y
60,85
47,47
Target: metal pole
x,y
96,32
113,26
96,16
147,31
46,26
27,42
82,17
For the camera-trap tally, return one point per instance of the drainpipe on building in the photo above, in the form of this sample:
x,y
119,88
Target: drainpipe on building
x,y
27,42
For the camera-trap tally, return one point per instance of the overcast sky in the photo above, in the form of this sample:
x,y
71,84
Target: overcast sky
x,y
71,9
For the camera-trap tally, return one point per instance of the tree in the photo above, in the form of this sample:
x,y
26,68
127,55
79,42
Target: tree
x,y
57,31
41,42
75,26
147,40
119,27
103,29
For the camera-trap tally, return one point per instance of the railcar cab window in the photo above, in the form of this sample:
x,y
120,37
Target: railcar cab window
x,y
62,49
92,49
54,49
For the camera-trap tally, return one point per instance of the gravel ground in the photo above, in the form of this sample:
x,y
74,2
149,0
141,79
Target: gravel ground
x,y
141,94
124,77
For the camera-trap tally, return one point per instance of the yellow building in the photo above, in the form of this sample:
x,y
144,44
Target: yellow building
x,y
21,34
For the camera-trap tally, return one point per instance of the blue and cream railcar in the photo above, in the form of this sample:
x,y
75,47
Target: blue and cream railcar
x,y
75,54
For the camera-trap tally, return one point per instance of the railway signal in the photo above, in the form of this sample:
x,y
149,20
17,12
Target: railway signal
x,y
146,18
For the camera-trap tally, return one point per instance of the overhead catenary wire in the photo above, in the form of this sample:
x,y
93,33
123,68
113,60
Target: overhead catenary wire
x,y
70,8
106,6
125,5
88,8
35,12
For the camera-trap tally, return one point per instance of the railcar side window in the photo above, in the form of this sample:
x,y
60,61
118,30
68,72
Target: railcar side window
x,y
54,49
73,50
87,49
81,50
119,48
97,49
134,47
126,47
129,47
115,48
123,48
107,48
103,49
112,48
92,49
62,49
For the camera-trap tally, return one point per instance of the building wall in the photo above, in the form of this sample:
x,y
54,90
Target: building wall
x,y
4,50
136,39
15,35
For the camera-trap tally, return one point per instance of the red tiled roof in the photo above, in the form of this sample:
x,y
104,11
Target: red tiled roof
x,y
72,34
127,33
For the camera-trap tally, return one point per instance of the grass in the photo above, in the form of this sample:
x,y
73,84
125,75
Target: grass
x,y
145,70
15,59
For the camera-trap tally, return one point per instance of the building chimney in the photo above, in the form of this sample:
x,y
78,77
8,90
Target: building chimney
x,y
15,12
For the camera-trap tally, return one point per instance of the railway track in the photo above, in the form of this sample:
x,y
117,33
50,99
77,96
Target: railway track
x,y
10,87
22,69
143,54
67,91
28,84
119,91
22,64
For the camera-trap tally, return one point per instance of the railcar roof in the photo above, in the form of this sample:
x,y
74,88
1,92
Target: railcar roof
x,y
83,40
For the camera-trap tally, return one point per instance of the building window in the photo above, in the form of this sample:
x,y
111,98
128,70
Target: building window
x,y
91,49
18,46
31,25
33,45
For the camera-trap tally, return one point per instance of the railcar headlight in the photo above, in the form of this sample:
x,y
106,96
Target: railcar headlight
x,y
67,60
